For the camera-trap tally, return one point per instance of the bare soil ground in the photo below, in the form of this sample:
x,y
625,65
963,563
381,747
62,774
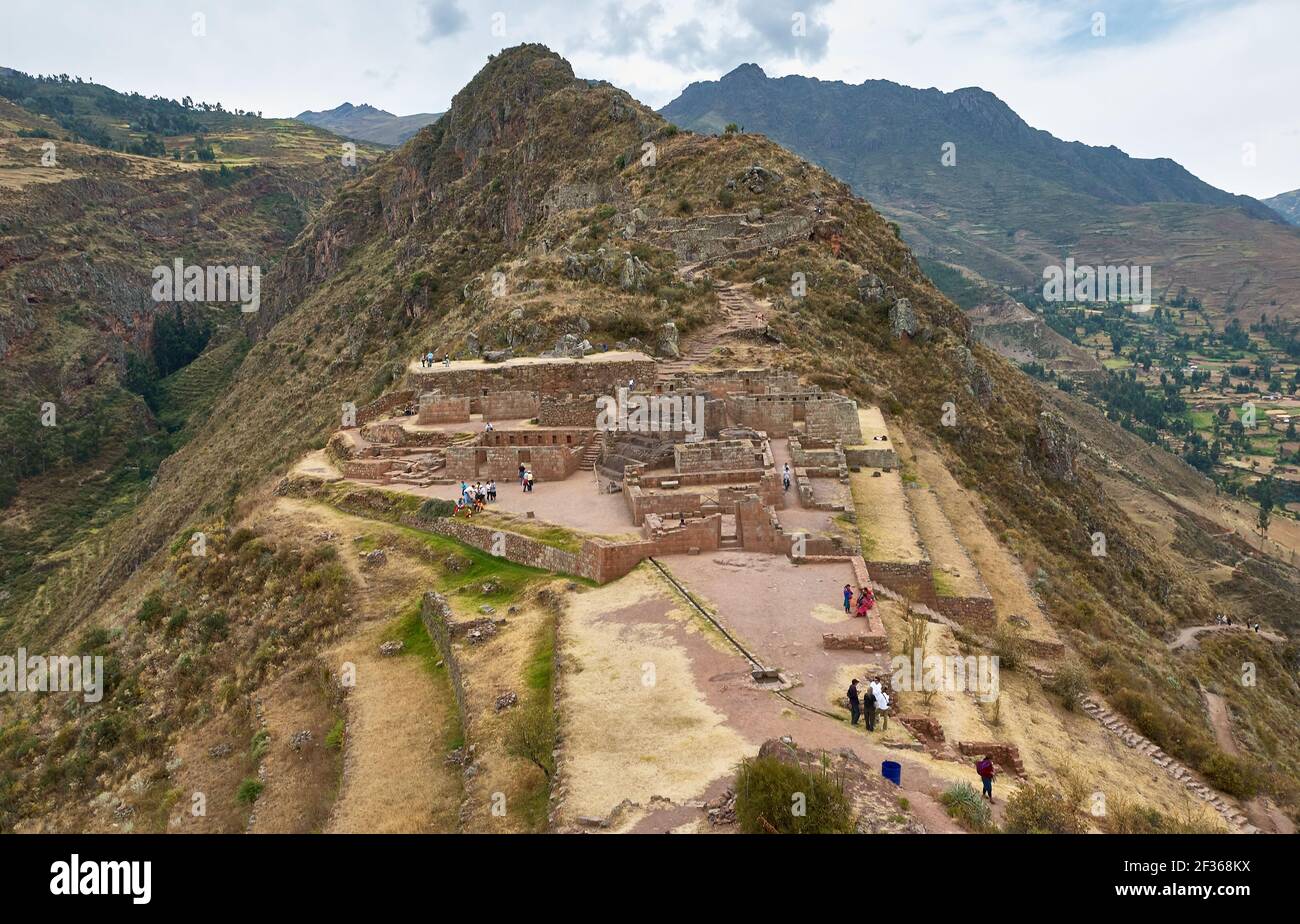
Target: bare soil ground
x,y
395,778
955,573
709,705
1001,573
884,520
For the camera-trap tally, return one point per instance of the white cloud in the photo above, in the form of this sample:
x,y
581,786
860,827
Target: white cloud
x,y
1189,79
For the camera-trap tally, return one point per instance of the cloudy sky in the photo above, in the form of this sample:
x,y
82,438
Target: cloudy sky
x,y
1210,83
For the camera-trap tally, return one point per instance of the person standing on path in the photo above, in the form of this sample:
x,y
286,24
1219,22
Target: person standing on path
x,y
855,708
985,769
848,599
869,705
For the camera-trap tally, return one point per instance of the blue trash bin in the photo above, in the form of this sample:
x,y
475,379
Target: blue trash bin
x,y
892,771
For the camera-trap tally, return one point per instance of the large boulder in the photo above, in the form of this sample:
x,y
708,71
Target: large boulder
x,y
871,290
1058,447
902,319
635,275
667,341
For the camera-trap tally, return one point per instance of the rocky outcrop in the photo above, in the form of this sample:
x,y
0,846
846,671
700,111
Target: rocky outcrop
x,y
667,341
1058,447
902,319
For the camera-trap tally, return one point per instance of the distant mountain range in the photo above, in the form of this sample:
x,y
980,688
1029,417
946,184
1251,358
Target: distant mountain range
x,y
1287,205
1008,200
366,123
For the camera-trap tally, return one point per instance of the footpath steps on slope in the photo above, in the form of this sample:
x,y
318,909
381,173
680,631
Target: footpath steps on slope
x,y
1232,815
741,313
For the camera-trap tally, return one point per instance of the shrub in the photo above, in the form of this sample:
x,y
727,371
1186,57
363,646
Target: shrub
x,y
968,807
1070,683
1038,808
249,790
530,735
766,791
261,744
1008,645
434,508
684,206
213,626
725,198
177,620
1124,817
1231,775
239,537
152,610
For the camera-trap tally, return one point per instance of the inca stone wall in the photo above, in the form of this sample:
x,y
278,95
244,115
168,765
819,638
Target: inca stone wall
x,y
557,377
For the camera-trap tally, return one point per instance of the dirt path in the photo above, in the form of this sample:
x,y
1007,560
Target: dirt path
x,y
1188,637
741,313
1221,722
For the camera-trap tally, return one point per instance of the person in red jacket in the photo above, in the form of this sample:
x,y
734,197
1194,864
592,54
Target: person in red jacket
x,y
985,769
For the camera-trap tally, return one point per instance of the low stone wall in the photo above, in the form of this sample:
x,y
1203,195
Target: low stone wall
x,y
975,611
912,580
366,469
924,727
870,457
436,409
834,418
547,463
435,613
862,642
556,377
509,405
1006,756
385,405
567,411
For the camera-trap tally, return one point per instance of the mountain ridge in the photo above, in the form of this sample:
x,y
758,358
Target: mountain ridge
x,y
368,123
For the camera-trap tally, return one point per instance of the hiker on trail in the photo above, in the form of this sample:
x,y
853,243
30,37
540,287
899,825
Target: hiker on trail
x,y
848,598
492,490
985,769
869,705
487,427
521,473
855,708
528,482
785,479
464,492
446,360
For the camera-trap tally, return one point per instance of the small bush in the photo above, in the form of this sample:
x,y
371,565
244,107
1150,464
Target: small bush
x,y
249,790
239,537
1008,645
725,198
435,508
1070,683
968,807
530,735
213,626
152,610
177,621
334,737
261,744
1038,808
1231,775
766,791
684,207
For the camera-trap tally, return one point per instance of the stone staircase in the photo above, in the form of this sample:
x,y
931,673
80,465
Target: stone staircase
x,y
741,314
1233,816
